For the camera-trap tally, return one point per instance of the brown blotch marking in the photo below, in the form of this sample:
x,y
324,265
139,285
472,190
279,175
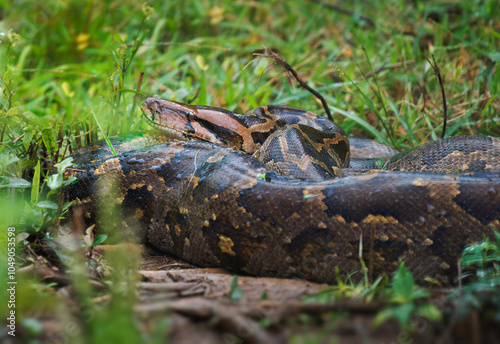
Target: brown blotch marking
x,y
86,200
194,180
336,139
150,188
374,219
456,153
339,218
428,242
137,185
283,144
337,171
229,123
109,165
308,248
435,189
183,211
139,213
177,230
206,223
322,225
265,127
307,160
217,156
444,266
245,183
226,244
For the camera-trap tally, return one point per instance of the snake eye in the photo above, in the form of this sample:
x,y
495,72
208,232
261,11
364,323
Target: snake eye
x,y
189,115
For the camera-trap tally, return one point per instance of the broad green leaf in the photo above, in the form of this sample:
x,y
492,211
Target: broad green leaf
x,y
16,183
13,111
63,165
235,292
99,239
47,205
383,316
55,181
33,326
403,313
419,294
49,139
35,190
11,160
28,138
403,283
429,311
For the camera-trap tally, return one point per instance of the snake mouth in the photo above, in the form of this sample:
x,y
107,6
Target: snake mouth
x,y
184,122
167,131
171,122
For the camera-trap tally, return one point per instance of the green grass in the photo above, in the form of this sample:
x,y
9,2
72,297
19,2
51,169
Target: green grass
x,y
70,71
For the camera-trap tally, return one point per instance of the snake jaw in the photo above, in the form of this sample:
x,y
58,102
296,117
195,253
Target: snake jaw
x,y
172,118
177,119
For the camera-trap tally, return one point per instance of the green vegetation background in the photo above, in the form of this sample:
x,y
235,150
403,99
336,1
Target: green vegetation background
x,y
70,73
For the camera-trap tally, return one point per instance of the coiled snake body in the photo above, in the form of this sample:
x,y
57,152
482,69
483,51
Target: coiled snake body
x,y
276,213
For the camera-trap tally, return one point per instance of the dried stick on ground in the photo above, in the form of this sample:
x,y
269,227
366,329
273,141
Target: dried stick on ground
x,y
282,62
445,107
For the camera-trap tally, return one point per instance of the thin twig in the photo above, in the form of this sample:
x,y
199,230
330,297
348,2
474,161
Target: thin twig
x,y
189,101
445,107
20,137
381,69
282,62
138,90
35,70
342,10
193,45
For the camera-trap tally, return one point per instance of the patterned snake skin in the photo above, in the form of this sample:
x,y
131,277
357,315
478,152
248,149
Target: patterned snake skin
x,y
244,197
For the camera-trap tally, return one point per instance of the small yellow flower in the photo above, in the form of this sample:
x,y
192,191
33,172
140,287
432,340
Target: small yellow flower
x,y
200,62
13,37
82,41
66,88
216,15
148,11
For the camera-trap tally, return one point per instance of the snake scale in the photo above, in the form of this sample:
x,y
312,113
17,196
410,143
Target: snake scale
x,y
270,193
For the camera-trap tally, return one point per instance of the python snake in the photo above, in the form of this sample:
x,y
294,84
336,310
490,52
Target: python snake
x,y
269,193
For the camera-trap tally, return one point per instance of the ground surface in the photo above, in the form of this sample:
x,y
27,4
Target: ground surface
x,y
181,303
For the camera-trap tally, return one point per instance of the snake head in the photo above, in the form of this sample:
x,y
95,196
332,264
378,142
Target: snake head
x,y
173,118
194,122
